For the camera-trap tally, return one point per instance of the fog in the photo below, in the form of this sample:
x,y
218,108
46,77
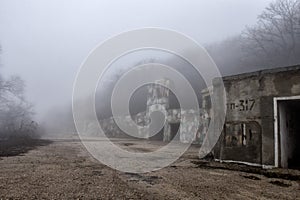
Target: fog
x,y
45,42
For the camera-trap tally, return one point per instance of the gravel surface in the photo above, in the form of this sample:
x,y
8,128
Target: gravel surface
x,y
63,169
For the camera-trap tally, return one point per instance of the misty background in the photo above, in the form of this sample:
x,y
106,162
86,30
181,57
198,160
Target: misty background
x,y
45,42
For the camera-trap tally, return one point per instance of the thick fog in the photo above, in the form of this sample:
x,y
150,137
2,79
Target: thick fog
x,y
45,42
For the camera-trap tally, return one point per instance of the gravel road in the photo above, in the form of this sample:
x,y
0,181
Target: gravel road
x,y
63,169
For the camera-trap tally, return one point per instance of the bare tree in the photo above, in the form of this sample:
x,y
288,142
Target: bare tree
x,y
15,112
275,40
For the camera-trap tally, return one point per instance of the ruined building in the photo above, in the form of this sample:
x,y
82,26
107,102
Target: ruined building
x,y
262,120
158,100
262,124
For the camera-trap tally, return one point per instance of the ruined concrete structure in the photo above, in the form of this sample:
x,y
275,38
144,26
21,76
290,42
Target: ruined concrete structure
x,y
262,121
158,100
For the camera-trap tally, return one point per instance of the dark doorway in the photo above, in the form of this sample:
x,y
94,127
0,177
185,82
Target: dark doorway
x,y
158,136
289,128
174,130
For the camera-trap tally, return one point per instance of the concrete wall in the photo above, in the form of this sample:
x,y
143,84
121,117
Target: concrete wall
x,y
250,108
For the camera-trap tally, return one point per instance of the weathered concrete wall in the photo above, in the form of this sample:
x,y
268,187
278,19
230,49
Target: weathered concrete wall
x,y
158,100
250,108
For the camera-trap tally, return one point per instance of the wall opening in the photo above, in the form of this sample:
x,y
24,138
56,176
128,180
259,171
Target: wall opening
x,y
289,132
158,136
174,129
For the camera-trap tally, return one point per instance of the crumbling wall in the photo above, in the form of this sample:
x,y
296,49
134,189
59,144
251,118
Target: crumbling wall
x,y
248,133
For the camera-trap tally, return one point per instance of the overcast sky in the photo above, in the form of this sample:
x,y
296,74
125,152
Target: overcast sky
x,y
46,41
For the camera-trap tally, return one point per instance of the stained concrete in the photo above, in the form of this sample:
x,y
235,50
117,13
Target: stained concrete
x,y
250,99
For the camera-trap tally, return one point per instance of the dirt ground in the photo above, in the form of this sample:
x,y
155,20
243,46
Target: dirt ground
x,y
63,169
